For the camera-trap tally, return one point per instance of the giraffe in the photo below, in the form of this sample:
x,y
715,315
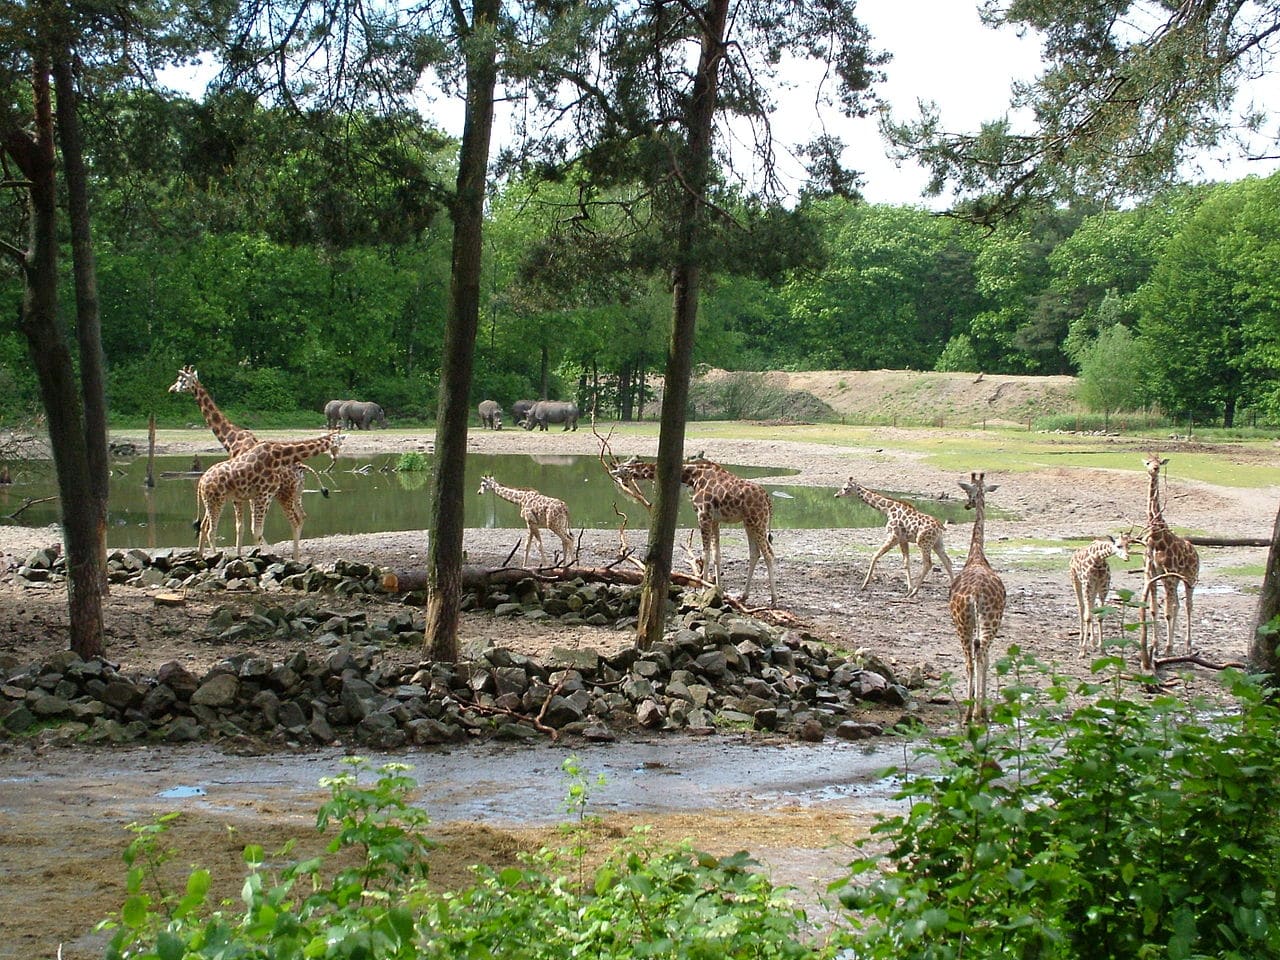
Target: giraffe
x,y
1091,579
255,476
977,602
717,496
905,525
1170,558
237,440
538,511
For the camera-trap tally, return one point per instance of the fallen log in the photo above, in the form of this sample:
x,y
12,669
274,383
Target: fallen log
x,y
1231,541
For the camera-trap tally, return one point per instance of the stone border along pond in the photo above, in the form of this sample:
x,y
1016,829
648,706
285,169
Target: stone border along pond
x,y
714,669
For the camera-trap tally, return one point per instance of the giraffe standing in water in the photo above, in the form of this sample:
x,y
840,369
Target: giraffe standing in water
x,y
1169,558
237,440
1091,579
977,602
904,525
538,511
254,477
717,496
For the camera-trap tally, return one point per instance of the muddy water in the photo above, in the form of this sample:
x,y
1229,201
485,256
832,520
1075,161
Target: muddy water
x,y
64,813
520,786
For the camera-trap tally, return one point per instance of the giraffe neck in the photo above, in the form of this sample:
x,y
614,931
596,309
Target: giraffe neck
x,y
511,494
1155,517
873,499
226,431
976,552
294,451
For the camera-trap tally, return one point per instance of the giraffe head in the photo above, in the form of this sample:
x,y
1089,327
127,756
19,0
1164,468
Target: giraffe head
x,y
1122,546
487,483
1153,463
849,489
187,382
976,490
631,470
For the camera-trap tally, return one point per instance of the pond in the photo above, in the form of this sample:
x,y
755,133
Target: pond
x,y
368,496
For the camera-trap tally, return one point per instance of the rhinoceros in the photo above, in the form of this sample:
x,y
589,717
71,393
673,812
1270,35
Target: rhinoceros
x,y
552,411
490,414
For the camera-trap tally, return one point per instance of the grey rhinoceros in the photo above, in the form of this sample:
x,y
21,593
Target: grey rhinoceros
x,y
363,414
552,411
520,410
490,414
333,414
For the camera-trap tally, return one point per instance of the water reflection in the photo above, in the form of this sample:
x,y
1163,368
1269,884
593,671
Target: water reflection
x,y
367,495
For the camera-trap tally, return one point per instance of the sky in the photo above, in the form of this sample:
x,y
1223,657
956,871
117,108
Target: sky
x,y
942,52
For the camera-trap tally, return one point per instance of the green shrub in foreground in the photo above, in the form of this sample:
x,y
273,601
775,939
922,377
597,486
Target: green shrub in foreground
x,y
1139,826
675,903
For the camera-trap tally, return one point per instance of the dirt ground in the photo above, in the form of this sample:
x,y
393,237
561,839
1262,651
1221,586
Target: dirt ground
x,y
67,861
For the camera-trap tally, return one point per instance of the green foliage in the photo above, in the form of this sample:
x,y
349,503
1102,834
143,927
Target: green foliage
x,y
958,356
412,462
1136,826
640,902
1111,372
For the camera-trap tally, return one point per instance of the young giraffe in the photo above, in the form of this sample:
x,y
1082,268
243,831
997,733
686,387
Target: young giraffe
x,y
905,525
254,476
1091,579
977,602
719,495
538,511
237,440
1170,558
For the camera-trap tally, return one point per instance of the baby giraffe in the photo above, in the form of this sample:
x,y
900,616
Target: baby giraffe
x,y
977,603
538,511
1091,579
904,525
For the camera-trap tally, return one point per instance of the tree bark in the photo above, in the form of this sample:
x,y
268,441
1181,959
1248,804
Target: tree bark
x,y
1264,646
55,371
88,315
686,279
444,553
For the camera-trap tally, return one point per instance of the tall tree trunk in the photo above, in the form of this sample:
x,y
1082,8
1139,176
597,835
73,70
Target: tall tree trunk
x,y
624,392
55,371
88,315
1264,648
444,553
1229,413
686,278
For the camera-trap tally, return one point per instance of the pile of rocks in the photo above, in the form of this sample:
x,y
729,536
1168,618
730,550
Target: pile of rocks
x,y
348,681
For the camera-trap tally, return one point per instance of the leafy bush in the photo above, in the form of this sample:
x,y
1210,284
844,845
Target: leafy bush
x,y
674,903
958,356
412,462
1135,827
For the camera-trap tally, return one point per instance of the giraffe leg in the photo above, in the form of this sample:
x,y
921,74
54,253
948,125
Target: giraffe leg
x,y
535,534
209,526
884,548
943,558
710,563
296,515
760,546
1188,602
1084,638
1170,613
925,569
981,656
238,507
906,566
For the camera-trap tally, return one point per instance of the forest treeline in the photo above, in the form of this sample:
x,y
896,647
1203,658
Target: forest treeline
x,y
295,258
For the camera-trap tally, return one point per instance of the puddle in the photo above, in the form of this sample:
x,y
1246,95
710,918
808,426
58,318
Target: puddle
x,y
181,793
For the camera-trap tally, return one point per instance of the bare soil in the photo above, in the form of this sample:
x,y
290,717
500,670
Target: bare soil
x,y
62,864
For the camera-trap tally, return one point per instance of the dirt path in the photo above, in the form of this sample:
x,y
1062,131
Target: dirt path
x,y
61,853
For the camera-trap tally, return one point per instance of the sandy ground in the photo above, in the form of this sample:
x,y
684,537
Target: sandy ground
x,y
68,857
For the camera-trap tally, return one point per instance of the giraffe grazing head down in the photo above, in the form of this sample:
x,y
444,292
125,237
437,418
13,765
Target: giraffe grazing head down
x,y
1091,580
719,496
977,602
538,511
1171,560
904,525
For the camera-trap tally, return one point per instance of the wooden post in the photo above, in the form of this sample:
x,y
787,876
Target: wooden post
x,y
151,450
